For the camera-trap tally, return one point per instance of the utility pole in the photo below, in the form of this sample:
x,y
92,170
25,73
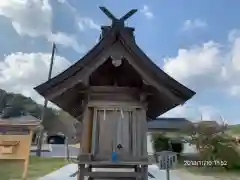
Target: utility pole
x,y
40,139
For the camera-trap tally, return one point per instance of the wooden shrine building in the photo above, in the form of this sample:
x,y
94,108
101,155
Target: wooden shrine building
x,y
113,90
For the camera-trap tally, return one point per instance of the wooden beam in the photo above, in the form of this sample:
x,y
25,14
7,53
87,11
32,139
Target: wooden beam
x,y
114,105
112,89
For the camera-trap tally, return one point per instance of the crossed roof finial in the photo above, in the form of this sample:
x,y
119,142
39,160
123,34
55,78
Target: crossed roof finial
x,y
116,21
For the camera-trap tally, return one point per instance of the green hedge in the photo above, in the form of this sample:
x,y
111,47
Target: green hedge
x,y
161,143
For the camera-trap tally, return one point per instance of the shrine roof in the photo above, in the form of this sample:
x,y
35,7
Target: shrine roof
x,y
74,75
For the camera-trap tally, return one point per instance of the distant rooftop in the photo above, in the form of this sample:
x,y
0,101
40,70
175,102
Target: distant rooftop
x,y
20,120
168,124
175,124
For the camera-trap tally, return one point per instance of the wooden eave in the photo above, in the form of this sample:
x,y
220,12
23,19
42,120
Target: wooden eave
x,y
48,86
84,67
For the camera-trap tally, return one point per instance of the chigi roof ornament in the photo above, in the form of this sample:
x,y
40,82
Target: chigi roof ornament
x,y
115,21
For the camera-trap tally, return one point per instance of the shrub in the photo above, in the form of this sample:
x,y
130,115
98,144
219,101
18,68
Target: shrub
x,y
160,142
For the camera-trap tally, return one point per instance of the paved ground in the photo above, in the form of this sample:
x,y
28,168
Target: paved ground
x,y
59,151
65,173
45,147
179,174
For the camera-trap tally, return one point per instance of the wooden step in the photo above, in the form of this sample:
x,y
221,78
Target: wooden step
x,y
111,175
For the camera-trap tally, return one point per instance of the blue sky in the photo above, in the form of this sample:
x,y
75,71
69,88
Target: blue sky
x,y
196,42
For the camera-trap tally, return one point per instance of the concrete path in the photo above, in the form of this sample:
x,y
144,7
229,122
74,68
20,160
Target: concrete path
x,y
45,147
65,173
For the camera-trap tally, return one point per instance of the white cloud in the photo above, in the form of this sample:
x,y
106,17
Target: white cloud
x,y
21,72
67,41
83,23
194,24
209,66
235,90
199,65
146,11
195,113
34,18
29,17
61,1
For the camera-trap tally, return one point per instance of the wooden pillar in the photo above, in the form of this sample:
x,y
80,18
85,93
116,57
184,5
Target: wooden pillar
x,y
26,161
134,131
90,126
94,132
86,136
139,132
145,172
81,172
144,129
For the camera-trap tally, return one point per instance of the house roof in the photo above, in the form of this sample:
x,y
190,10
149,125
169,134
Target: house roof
x,y
20,121
169,124
168,93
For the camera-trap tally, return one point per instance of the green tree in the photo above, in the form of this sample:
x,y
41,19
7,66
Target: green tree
x,y
13,105
213,143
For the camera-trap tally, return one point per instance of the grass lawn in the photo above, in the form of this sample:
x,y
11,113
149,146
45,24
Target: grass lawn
x,y
12,170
